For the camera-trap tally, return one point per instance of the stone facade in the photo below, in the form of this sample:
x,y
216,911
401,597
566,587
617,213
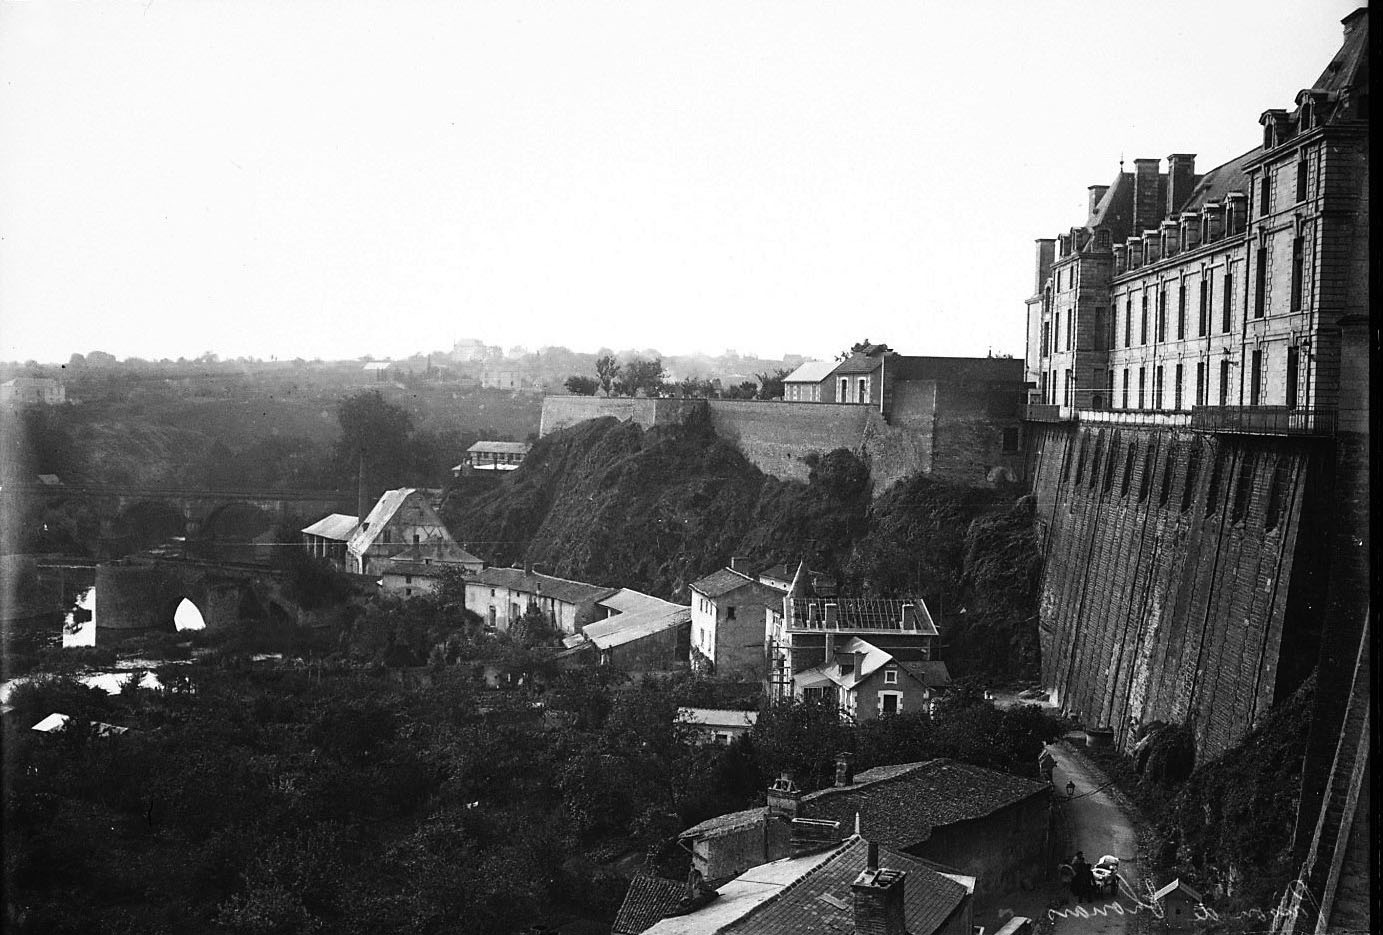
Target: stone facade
x,y
1221,289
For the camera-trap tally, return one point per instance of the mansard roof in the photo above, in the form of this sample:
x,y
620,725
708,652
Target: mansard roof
x,y
1114,211
1219,182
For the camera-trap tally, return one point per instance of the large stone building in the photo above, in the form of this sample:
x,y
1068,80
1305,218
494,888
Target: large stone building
x,y
1217,290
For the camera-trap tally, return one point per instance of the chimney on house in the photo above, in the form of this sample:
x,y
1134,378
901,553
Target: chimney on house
x,y
809,835
845,769
784,798
879,899
909,617
830,647
1354,19
859,661
1147,193
830,616
1097,193
1046,253
739,563
1181,178
528,569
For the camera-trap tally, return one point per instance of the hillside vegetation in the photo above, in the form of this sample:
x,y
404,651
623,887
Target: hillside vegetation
x,y
654,509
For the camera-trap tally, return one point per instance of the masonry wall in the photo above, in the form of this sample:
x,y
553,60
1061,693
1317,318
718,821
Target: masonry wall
x,y
776,436
1176,573
1005,851
562,411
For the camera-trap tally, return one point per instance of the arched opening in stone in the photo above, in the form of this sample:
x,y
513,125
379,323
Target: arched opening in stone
x,y
188,617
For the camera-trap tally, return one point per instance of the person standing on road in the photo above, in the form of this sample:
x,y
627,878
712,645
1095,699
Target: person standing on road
x,y
1082,879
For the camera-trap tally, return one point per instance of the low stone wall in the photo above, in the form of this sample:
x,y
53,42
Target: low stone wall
x,y
562,411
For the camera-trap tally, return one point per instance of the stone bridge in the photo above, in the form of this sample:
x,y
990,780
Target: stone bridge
x,y
142,594
133,518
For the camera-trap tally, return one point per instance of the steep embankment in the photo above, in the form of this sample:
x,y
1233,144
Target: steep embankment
x,y
613,503
609,502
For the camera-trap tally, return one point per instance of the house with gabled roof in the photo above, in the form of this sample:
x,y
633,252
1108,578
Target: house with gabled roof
x,y
502,595
401,519
727,635
822,886
866,681
987,824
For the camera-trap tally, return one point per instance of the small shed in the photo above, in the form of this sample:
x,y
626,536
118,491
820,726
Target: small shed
x,y
1179,904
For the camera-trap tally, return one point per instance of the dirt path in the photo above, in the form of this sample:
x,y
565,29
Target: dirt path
x,y
1095,823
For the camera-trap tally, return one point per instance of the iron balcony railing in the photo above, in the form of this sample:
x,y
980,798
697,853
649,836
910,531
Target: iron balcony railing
x,y
1263,420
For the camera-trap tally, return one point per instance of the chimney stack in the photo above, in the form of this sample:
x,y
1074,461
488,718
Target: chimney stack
x,y
1046,253
1097,193
784,798
739,563
879,899
1147,193
830,616
808,835
830,648
1181,178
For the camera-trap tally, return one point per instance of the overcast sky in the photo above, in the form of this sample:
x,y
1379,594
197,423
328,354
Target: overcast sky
x,y
347,178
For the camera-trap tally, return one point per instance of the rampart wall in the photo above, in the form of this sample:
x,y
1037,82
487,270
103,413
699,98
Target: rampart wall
x,y
562,411
1185,573
776,436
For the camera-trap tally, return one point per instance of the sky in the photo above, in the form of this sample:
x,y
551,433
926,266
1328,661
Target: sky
x,y
342,179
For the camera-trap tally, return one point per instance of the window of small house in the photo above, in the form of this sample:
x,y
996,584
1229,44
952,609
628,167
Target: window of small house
x,y
890,676
730,612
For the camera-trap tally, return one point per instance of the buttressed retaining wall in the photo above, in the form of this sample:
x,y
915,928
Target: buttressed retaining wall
x,y
1184,574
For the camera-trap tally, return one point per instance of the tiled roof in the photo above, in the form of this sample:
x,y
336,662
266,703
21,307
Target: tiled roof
x,y
821,900
648,900
561,589
337,526
721,582
626,628
813,371
901,807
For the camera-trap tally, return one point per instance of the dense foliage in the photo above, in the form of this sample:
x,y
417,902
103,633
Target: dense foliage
x,y
331,797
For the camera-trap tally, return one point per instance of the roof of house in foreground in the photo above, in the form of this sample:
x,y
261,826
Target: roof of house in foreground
x,y
900,804
812,894
532,582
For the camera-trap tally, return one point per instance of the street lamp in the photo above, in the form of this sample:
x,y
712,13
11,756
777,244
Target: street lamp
x,y
1070,789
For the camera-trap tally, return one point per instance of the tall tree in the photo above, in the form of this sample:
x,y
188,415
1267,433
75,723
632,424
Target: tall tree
x,y
771,384
379,429
607,371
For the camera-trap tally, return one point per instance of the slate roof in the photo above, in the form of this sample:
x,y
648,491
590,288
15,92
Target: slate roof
x,y
717,717
900,804
509,448
647,901
628,601
626,628
722,582
930,672
742,895
813,371
561,589
1218,182
860,363
336,526
901,809
726,822
822,901
384,510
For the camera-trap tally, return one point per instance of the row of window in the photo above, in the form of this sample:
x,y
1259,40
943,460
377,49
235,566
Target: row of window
x,y
1201,387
